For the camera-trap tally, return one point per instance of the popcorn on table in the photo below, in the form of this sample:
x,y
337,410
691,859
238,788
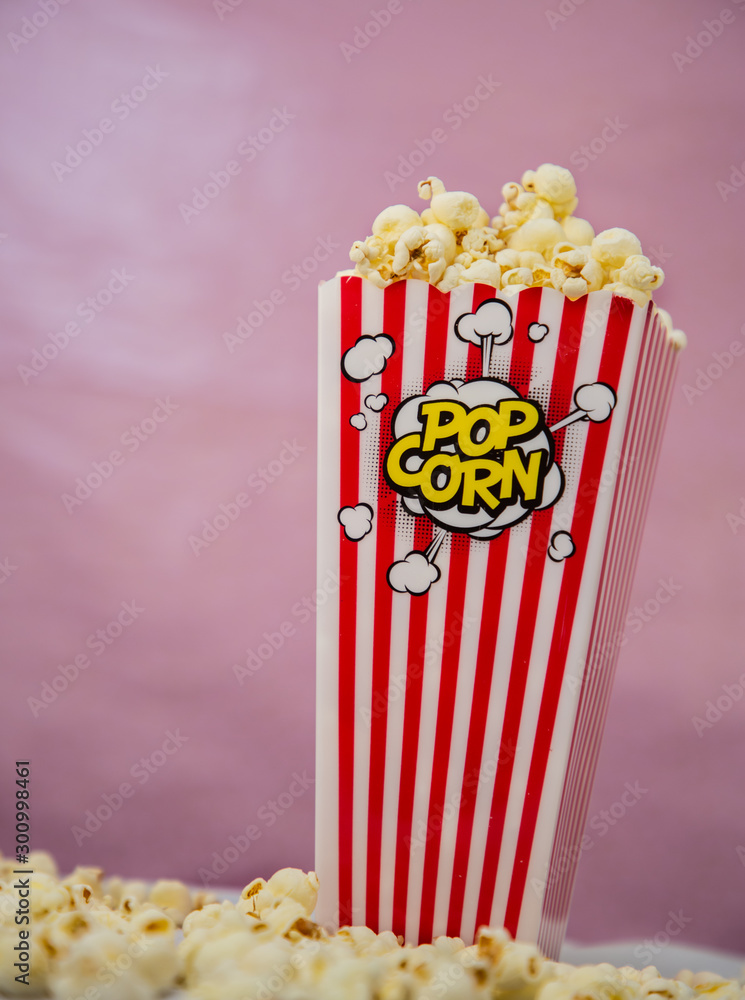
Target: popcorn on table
x,y
534,241
110,939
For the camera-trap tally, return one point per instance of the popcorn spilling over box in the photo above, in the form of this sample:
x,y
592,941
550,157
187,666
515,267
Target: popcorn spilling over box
x,y
492,399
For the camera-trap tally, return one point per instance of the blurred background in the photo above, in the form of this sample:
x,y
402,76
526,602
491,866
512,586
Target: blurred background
x,y
177,177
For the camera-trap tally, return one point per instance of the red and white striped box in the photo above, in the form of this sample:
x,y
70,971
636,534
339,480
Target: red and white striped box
x,y
485,464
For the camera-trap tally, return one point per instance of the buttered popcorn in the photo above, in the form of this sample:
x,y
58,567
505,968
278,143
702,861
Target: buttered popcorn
x,y
534,241
94,938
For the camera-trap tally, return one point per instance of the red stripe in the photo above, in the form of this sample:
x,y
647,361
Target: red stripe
x,y
435,349
394,311
527,313
597,683
563,378
657,390
450,662
351,325
576,790
611,364
598,675
443,732
521,361
477,729
410,743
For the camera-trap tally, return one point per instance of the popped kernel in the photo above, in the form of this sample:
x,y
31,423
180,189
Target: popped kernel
x,y
268,945
173,898
424,252
555,185
393,222
613,246
537,234
456,209
487,272
578,231
453,233
639,272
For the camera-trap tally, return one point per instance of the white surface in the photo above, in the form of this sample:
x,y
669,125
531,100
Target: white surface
x,y
669,960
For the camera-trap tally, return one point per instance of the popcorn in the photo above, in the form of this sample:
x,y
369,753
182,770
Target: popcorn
x,y
453,242
481,242
487,272
172,897
578,231
455,209
372,260
424,252
575,271
393,222
555,185
266,945
613,246
537,234
638,272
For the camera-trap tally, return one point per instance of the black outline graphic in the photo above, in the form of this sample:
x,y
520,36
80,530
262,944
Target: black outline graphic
x,y
448,446
354,507
366,336
551,546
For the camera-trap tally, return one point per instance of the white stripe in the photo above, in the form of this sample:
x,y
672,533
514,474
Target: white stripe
x,y
372,324
411,378
555,777
327,636
425,752
587,367
517,541
455,365
468,635
574,797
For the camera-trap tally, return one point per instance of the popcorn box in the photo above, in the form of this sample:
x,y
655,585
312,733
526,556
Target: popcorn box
x,y
485,464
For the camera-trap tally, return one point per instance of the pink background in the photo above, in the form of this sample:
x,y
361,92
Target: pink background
x,y
220,75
